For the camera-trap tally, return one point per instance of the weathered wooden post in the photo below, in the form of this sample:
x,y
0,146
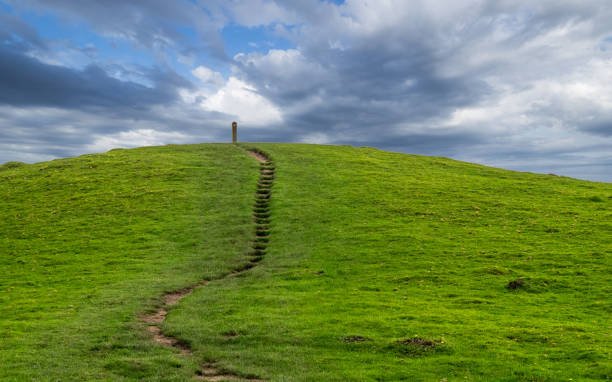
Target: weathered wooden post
x,y
234,132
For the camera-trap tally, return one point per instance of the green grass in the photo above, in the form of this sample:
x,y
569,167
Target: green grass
x,y
380,267
383,248
87,244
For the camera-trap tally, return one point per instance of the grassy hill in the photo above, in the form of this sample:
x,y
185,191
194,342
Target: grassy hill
x,y
380,266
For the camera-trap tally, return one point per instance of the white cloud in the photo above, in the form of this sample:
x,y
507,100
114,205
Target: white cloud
x,y
567,101
136,138
284,66
69,133
317,138
284,75
208,76
242,101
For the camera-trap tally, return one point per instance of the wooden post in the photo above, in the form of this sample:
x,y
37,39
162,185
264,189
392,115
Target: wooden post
x,y
234,132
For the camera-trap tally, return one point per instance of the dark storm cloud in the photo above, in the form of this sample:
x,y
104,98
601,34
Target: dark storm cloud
x,y
25,81
16,33
155,24
601,127
370,85
366,93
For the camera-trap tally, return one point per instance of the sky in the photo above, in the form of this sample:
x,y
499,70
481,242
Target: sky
x,y
523,85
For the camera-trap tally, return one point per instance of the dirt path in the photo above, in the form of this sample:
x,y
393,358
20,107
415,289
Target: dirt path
x,y
261,218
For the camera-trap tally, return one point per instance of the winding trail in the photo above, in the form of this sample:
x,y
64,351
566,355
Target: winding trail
x,y
261,218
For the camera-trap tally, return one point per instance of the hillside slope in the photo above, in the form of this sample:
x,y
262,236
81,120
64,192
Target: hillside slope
x,y
87,244
380,266
386,266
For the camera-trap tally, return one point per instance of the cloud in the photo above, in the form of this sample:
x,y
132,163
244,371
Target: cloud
x,y
285,75
136,138
208,76
240,100
599,126
157,25
37,133
258,12
27,81
14,32
464,79
516,84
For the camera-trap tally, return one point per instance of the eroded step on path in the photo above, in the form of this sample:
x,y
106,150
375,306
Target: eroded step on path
x,y
261,218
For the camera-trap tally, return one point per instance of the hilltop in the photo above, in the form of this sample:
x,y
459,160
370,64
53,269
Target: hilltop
x,y
379,266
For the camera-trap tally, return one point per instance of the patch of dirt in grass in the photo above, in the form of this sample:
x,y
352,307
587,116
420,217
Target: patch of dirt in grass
x,y
353,339
516,284
418,347
230,334
257,155
417,341
211,373
156,318
173,298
